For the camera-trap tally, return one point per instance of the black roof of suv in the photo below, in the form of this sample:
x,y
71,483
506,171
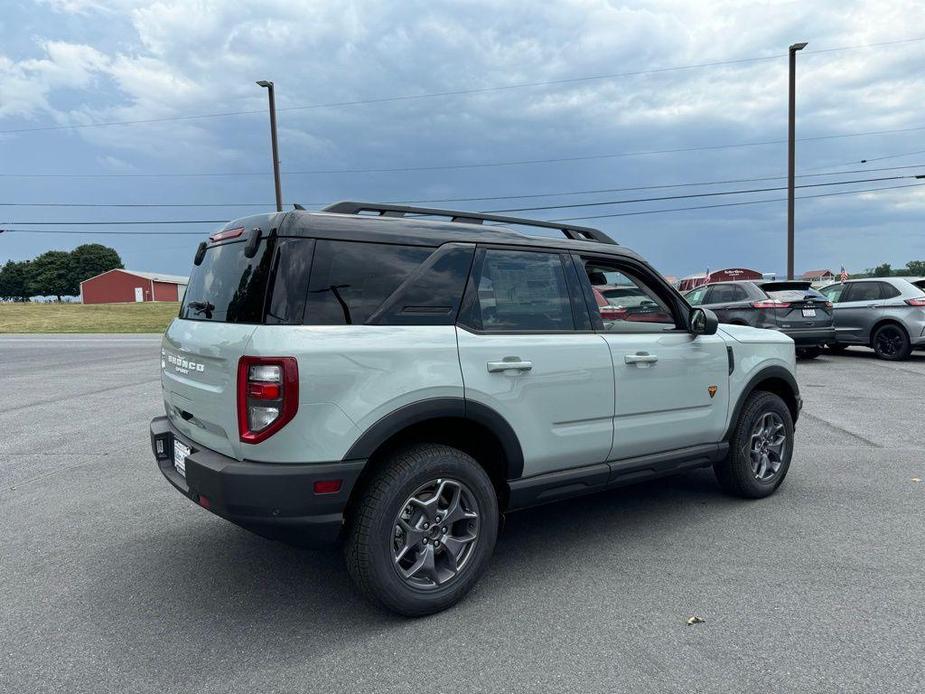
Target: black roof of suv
x,y
420,226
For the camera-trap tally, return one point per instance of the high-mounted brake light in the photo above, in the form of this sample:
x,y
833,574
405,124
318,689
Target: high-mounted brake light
x,y
226,234
268,396
918,301
770,303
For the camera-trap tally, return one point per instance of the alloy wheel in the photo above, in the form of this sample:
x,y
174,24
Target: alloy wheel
x,y
768,439
889,341
435,533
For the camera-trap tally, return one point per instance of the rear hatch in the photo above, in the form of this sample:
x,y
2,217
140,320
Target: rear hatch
x,y
798,305
222,307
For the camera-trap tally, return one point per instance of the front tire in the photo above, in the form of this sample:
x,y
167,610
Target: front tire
x,y
424,530
808,352
891,342
760,450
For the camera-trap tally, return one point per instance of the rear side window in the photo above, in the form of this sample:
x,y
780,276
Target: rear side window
x,y
869,291
351,280
228,287
888,291
727,293
520,291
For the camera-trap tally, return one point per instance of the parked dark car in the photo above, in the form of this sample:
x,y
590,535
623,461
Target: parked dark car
x,y
792,307
886,314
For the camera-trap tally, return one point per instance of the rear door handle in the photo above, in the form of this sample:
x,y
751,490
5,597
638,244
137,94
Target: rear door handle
x,y
640,358
509,364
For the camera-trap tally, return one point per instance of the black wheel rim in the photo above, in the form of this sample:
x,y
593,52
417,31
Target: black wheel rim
x,y
889,342
435,533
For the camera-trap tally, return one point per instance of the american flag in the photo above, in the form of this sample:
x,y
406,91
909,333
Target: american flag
x,y
844,273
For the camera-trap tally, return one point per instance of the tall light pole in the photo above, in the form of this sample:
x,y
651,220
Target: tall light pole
x,y
791,153
279,193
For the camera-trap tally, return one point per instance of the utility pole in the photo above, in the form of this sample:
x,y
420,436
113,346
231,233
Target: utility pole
x,y
791,153
272,95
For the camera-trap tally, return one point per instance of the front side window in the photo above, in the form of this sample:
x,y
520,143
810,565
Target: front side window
x,y
350,279
695,296
520,291
833,292
632,304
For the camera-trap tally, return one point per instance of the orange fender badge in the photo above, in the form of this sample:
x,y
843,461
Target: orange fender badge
x,y
711,390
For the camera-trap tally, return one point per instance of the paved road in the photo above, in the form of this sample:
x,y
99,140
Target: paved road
x,y
112,582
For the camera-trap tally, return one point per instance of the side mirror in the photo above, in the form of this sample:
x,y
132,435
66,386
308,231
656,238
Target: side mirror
x,y
703,322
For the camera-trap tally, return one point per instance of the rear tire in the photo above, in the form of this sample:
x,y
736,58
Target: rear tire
x,y
401,551
808,352
891,342
760,449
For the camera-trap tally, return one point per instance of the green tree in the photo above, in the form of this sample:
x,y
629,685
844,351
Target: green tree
x,y
52,274
916,268
91,259
14,280
882,270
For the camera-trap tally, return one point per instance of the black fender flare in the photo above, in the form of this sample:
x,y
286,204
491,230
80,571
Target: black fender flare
x,y
768,372
441,408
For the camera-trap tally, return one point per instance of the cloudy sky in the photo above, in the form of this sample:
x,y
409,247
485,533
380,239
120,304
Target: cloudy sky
x,y
677,93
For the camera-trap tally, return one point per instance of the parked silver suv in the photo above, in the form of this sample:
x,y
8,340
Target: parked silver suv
x,y
885,313
373,374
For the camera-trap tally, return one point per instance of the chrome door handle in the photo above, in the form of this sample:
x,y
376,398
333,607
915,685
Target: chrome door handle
x,y
509,364
640,358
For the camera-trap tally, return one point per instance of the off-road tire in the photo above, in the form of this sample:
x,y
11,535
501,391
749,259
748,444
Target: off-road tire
x,y
735,472
371,528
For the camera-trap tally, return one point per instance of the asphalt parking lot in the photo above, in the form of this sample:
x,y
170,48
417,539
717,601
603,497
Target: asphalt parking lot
x,y
111,581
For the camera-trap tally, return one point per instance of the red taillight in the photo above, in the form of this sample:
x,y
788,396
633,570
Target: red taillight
x,y
613,312
226,234
264,391
770,303
918,301
268,396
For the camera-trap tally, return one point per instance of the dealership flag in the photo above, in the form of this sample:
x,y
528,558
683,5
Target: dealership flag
x,y
844,273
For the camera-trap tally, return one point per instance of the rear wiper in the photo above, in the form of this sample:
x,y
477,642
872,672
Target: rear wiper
x,y
202,307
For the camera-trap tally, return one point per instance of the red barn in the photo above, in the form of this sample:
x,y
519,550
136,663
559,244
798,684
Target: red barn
x,y
122,286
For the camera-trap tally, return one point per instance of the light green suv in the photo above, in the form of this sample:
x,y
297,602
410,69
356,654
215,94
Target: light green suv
x,y
398,378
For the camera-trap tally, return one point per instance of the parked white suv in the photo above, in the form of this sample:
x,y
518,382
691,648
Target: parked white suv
x,y
374,374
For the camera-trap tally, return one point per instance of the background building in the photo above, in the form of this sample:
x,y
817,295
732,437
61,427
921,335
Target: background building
x,y
121,286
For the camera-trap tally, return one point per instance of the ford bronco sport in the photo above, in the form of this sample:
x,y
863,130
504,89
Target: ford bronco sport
x,y
398,378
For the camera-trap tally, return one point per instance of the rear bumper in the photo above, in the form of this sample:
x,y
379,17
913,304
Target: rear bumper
x,y
275,500
808,337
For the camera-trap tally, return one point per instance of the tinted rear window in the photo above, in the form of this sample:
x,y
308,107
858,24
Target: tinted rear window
x,y
350,280
797,295
227,287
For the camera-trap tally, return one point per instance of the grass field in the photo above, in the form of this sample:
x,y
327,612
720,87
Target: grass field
x,y
150,317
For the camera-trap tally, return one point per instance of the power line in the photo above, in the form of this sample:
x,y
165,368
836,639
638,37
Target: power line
x,y
562,219
698,195
736,204
746,191
444,167
483,198
457,92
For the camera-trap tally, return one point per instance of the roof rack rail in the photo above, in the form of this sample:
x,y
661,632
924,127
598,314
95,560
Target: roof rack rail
x,y
571,231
